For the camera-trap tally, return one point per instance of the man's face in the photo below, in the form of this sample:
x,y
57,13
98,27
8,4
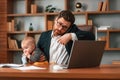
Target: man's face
x,y
60,26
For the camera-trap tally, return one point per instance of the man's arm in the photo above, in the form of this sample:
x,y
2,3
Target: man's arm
x,y
67,37
76,34
37,56
82,35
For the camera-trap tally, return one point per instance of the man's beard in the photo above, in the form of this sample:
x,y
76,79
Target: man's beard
x,y
57,32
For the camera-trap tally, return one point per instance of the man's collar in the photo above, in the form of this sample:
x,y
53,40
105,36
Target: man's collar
x,y
52,35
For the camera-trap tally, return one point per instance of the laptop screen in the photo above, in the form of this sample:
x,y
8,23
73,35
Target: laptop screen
x,y
86,54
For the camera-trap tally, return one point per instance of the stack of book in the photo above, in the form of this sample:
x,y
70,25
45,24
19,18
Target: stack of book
x,y
12,43
103,27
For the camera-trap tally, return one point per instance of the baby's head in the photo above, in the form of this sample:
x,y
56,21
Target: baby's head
x,y
28,44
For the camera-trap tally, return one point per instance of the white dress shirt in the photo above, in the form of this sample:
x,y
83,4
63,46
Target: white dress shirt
x,y
58,53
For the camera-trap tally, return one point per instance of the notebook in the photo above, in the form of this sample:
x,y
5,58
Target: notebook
x,y
86,54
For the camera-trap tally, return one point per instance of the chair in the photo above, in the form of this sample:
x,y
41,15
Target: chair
x,y
87,28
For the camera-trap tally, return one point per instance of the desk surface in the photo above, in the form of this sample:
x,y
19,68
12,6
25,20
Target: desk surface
x,y
105,72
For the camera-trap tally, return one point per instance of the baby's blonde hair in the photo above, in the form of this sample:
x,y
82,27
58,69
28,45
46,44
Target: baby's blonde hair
x,y
28,40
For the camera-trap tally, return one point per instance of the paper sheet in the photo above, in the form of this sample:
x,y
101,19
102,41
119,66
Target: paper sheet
x,y
29,68
10,65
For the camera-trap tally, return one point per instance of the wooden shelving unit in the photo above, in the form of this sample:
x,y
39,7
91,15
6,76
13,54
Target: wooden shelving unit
x,y
21,10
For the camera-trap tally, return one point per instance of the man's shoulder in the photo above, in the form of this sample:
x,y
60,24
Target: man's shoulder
x,y
47,32
73,28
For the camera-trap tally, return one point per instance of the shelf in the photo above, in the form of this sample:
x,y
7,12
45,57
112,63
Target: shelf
x,y
114,30
21,11
77,13
17,32
103,12
22,15
113,49
102,30
36,14
25,32
109,30
55,13
14,49
49,16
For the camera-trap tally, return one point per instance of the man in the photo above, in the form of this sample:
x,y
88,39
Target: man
x,y
56,44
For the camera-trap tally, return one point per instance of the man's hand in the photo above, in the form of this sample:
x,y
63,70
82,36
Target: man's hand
x,y
65,38
42,58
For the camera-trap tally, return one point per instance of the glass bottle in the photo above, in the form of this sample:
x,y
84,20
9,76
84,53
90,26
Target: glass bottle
x,y
31,27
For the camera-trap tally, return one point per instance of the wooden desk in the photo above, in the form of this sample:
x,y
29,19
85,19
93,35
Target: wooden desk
x,y
104,72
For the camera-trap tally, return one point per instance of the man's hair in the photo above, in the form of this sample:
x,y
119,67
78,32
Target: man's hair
x,y
67,15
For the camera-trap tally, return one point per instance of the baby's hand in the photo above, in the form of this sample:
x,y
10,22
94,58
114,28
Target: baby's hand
x,y
26,53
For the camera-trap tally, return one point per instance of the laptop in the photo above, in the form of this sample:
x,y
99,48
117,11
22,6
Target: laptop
x,y
85,54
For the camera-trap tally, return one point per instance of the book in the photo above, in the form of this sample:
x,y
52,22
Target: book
x,y
103,27
104,7
33,8
100,4
9,25
12,43
9,43
13,25
90,22
103,38
16,45
50,25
